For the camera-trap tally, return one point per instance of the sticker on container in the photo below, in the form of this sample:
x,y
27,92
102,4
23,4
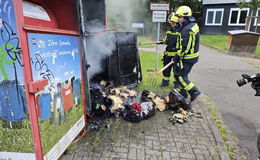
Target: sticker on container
x,y
35,11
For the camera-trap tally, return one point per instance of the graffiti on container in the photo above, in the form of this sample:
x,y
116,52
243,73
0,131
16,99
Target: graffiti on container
x,y
44,70
10,51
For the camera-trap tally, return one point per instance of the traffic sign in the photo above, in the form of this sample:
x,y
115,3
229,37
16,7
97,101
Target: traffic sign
x,y
159,16
160,6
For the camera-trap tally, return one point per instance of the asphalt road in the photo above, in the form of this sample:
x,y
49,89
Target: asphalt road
x,y
216,75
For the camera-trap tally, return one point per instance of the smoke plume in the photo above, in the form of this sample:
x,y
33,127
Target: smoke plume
x,y
121,14
99,46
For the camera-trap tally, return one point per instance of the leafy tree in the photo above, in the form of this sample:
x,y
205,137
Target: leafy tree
x,y
122,13
253,4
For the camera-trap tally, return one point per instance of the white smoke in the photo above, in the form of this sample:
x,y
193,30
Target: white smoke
x,y
100,46
122,13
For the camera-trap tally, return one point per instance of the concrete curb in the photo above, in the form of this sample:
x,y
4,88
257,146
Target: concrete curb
x,y
240,154
223,152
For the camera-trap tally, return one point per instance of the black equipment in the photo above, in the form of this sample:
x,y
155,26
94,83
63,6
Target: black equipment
x,y
255,79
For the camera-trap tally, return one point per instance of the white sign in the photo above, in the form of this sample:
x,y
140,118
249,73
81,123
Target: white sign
x,y
65,141
160,6
159,16
137,25
16,156
35,11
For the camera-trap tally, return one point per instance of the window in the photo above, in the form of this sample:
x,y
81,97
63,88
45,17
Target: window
x,y
214,17
238,16
257,19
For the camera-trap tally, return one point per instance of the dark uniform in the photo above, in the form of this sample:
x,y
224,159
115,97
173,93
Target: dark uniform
x,y
172,42
187,56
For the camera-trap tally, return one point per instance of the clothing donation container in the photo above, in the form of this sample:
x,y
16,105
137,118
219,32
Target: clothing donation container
x,y
42,100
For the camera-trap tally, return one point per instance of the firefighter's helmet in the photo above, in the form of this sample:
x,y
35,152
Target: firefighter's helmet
x,y
173,18
183,11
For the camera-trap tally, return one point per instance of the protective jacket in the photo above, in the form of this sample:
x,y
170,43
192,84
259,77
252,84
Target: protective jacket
x,y
189,40
172,41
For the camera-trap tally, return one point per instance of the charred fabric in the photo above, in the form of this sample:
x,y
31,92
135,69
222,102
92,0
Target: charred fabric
x,y
132,106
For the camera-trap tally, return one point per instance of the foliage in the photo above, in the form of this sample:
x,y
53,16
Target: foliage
x,y
195,5
121,14
253,4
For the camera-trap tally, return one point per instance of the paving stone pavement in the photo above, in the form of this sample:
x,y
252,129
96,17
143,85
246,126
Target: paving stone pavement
x,y
153,139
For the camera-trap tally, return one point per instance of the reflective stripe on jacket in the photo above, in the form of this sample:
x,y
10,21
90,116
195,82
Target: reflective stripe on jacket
x,y
172,41
189,40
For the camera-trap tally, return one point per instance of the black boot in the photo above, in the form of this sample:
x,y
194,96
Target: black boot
x,y
184,93
194,93
165,83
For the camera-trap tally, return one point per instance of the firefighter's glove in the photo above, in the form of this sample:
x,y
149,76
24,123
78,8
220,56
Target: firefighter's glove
x,y
176,58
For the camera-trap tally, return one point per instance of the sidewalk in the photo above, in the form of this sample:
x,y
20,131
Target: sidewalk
x,y
154,139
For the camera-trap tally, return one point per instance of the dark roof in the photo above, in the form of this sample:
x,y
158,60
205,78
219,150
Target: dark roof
x,y
242,32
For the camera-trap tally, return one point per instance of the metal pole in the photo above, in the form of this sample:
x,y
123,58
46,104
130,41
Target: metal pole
x,y
158,38
83,31
246,26
250,20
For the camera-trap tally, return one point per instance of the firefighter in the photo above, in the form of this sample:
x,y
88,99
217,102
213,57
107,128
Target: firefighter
x,y
188,54
170,40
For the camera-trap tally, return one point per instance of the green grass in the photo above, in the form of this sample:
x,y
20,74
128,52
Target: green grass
x,y
219,41
141,39
257,53
20,140
16,140
51,134
148,62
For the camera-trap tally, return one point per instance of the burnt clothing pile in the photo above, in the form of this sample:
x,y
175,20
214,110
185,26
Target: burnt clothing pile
x,y
177,100
99,102
174,101
159,101
181,108
107,101
136,112
181,116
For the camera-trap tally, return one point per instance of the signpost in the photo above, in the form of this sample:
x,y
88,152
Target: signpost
x,y
138,26
159,16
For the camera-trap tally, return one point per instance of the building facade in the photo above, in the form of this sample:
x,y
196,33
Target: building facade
x,y
222,16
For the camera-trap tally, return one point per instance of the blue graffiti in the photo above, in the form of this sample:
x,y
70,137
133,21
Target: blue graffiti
x,y
10,53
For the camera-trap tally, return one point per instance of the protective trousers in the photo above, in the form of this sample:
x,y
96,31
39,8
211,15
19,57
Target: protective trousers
x,y
167,71
182,81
